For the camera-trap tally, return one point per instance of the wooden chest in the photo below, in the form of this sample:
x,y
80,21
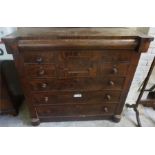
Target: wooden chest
x,y
76,73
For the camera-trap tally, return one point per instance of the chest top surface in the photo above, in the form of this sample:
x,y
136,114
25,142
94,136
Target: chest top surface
x,y
76,32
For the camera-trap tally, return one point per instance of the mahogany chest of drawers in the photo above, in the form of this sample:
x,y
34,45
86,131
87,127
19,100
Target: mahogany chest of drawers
x,y
76,73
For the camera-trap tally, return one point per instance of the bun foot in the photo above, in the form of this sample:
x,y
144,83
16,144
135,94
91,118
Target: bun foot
x,y
35,121
116,118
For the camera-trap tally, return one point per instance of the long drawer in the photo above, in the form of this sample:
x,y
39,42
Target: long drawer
x,y
75,97
75,110
71,84
76,70
49,56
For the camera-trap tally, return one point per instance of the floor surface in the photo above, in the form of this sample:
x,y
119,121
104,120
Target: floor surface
x,y
147,116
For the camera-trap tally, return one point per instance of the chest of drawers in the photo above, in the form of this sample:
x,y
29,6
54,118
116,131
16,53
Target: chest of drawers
x,y
76,73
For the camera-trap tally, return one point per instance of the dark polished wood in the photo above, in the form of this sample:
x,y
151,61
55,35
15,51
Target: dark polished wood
x,y
76,73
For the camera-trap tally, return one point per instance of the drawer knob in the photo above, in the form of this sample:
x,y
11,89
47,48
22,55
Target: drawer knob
x,y
39,60
44,85
111,83
108,97
41,72
115,70
105,109
46,99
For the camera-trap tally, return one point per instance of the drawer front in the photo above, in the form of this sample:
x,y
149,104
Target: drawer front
x,y
71,84
75,110
72,71
91,55
40,71
76,97
44,56
38,56
119,69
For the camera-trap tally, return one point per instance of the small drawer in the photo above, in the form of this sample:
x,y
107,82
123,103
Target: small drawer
x,y
119,69
75,110
40,71
81,97
38,56
78,84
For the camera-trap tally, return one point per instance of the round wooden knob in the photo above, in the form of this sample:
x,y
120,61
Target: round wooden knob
x,y
46,99
111,83
115,70
108,97
44,85
105,109
39,60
